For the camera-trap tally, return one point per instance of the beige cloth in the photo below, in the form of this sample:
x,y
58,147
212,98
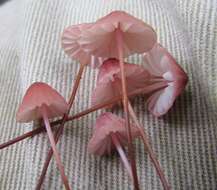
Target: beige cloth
x,y
185,140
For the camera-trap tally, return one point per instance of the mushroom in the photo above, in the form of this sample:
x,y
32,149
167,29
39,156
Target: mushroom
x,y
102,38
160,64
43,102
70,44
110,135
108,84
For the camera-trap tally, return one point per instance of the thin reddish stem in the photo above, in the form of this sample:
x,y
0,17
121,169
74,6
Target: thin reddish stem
x,y
53,145
60,129
40,129
22,137
119,39
122,154
149,149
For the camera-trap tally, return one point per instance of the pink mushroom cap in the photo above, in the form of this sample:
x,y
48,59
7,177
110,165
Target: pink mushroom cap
x,y
39,94
106,124
160,63
70,43
109,80
100,39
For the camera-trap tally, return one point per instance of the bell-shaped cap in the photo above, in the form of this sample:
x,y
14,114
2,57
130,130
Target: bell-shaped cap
x,y
70,43
100,39
39,94
109,80
107,124
161,64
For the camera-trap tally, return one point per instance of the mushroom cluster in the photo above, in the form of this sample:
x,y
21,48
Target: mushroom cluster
x,y
104,45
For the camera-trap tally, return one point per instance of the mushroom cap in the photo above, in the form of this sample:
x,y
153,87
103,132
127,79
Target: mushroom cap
x,y
160,63
109,80
100,39
39,94
70,43
106,124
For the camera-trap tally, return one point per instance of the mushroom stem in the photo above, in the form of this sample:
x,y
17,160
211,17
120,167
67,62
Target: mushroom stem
x,y
85,112
149,149
119,39
53,145
122,154
60,129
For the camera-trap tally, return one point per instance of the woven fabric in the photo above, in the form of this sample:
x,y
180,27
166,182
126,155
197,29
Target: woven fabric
x,y
184,140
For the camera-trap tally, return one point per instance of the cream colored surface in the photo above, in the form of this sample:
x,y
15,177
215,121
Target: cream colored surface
x,y
185,140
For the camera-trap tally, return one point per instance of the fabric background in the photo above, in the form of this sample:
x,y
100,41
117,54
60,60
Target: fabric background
x,y
184,139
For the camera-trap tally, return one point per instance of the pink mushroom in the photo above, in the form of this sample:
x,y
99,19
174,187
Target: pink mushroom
x,y
110,135
109,81
43,102
163,66
101,38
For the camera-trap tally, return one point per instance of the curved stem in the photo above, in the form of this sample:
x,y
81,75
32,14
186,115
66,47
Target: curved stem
x,y
40,129
122,154
53,145
60,129
149,149
119,40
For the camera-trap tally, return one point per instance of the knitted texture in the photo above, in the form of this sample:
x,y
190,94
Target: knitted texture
x,y
184,140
